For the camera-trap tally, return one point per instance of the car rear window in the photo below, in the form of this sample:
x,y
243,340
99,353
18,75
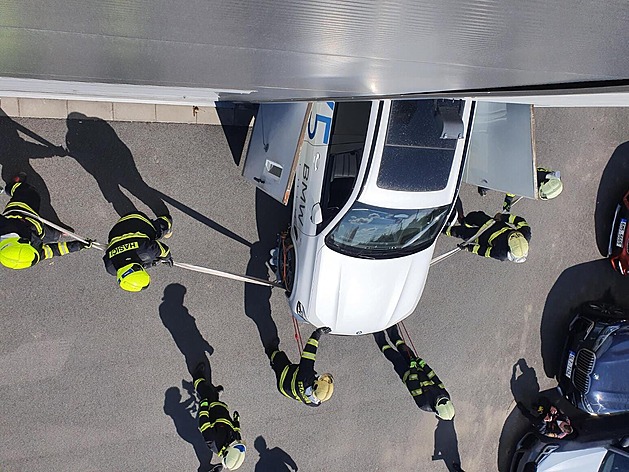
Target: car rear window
x,y
415,158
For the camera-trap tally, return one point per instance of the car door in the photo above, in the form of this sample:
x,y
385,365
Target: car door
x,y
275,146
501,154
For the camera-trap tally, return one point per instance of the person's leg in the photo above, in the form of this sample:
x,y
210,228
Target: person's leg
x,y
22,193
400,365
279,361
163,226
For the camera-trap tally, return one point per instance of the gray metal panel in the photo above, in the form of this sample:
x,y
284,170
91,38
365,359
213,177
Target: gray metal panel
x,y
501,154
299,48
274,147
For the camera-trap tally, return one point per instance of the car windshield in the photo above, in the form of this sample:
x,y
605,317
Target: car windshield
x,y
415,157
372,232
614,462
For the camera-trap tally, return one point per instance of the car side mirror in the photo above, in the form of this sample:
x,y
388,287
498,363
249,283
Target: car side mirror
x,y
317,215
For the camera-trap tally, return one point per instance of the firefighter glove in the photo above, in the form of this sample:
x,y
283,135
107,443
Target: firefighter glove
x,y
87,244
322,330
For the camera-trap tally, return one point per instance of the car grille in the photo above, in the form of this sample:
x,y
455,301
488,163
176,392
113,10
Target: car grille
x,y
584,366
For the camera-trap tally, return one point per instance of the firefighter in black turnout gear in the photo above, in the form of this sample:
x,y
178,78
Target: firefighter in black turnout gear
x,y
133,247
24,241
507,236
427,390
220,430
300,381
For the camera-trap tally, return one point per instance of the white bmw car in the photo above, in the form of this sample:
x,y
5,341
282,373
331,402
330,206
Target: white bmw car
x,y
375,183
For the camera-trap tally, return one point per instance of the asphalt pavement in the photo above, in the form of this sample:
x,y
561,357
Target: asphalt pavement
x,y
96,379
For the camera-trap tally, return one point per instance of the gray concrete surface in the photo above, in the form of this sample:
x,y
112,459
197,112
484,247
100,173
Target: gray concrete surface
x,y
90,377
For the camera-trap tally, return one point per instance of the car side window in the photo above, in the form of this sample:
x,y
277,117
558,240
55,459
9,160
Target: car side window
x,y
347,141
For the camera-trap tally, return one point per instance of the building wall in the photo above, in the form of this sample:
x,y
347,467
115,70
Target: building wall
x,y
282,49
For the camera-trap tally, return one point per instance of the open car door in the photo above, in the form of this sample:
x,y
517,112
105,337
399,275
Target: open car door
x,y
274,147
501,154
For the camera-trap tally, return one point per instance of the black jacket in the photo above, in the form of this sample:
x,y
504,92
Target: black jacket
x,y
134,239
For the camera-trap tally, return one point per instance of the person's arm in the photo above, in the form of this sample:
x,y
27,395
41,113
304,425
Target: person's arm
x,y
520,224
163,225
63,248
487,251
153,252
307,361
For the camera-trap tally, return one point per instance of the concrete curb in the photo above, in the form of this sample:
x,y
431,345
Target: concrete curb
x,y
112,111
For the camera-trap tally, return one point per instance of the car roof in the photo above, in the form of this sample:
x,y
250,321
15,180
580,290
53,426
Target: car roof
x,y
406,172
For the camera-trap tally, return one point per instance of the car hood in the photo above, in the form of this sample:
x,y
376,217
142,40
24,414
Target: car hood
x,y
360,296
609,387
584,460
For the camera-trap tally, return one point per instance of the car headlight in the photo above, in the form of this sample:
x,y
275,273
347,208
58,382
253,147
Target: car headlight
x,y
604,335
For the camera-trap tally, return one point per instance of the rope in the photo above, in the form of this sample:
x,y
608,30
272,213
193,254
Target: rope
x,y
228,275
298,338
407,336
63,230
204,270
459,247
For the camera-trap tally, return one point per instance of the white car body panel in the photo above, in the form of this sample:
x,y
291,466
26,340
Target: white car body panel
x,y
349,293
588,460
353,295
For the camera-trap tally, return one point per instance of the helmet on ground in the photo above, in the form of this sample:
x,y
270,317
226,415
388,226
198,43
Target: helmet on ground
x,y
550,188
445,408
234,455
133,277
324,387
518,247
15,253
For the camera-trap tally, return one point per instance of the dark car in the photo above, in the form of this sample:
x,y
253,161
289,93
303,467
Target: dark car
x,y
595,366
618,249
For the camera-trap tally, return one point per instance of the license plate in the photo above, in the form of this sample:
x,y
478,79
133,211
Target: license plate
x,y
569,365
620,237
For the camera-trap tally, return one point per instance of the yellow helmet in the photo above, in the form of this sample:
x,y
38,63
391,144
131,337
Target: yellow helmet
x,y
16,254
445,408
133,277
324,387
234,455
518,247
550,188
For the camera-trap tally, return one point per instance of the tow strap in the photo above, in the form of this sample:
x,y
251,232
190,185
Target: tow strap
x,y
460,246
182,265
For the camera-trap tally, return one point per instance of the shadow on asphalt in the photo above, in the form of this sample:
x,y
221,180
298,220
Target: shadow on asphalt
x,y
94,144
16,154
235,119
525,386
446,445
595,280
272,460
613,186
183,327
183,414
271,218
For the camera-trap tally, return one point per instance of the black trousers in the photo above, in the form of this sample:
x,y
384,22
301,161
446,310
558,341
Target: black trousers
x,y
27,195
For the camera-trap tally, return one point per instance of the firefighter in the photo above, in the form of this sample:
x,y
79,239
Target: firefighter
x,y
300,381
427,390
549,186
133,247
24,241
220,430
507,236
